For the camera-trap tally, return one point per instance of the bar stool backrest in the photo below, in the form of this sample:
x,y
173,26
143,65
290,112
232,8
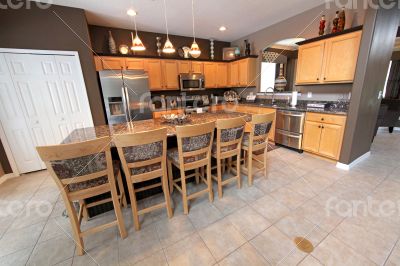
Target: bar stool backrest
x,y
143,154
194,144
229,135
260,126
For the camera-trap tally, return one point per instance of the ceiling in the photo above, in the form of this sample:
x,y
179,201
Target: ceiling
x,y
241,17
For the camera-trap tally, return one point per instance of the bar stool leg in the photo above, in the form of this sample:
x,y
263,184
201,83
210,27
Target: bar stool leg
x,y
170,177
184,192
209,181
121,190
75,226
117,209
164,181
250,167
135,214
197,176
219,178
239,177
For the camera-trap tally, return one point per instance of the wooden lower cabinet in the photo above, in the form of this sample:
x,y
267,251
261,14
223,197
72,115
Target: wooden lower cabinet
x,y
158,114
323,134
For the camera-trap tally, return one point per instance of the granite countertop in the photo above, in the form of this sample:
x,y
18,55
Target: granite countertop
x,y
90,133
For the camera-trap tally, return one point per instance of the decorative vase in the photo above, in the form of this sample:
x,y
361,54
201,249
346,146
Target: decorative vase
x,y
247,47
335,22
212,49
342,20
237,52
322,26
158,46
111,43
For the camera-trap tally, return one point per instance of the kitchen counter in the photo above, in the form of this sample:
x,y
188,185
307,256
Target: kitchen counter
x,y
90,133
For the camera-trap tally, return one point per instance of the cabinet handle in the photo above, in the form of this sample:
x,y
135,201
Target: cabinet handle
x,y
322,127
319,126
324,78
317,78
322,119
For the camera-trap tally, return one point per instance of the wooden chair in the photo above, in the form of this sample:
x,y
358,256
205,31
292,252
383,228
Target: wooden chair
x,y
143,157
255,140
81,171
193,153
226,146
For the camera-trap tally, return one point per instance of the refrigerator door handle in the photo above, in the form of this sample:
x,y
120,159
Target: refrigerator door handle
x,y
128,108
124,103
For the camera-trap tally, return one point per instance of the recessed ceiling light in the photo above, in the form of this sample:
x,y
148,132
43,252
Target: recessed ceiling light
x,y
222,28
131,12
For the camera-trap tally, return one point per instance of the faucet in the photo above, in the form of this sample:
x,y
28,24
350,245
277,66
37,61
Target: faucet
x,y
273,94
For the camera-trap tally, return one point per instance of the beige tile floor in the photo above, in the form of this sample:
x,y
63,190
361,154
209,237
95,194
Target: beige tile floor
x,y
251,226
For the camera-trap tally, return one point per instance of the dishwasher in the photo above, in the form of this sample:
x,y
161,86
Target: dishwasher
x,y
289,128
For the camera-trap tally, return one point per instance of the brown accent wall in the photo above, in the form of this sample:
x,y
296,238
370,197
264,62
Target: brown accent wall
x,y
41,29
379,33
99,37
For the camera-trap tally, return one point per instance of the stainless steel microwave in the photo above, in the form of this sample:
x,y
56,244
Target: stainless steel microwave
x,y
191,82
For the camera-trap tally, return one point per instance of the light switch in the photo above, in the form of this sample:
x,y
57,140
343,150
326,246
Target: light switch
x,y
309,94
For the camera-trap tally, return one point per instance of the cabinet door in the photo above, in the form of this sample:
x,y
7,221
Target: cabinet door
x,y
197,67
222,75
183,67
210,75
331,140
341,57
309,63
115,63
243,73
155,74
170,72
234,74
97,63
311,136
134,64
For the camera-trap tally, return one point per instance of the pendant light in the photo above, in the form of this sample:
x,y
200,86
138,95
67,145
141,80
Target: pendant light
x,y
137,44
168,47
194,49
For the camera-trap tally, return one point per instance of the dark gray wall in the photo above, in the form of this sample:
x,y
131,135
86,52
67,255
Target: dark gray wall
x,y
37,28
379,33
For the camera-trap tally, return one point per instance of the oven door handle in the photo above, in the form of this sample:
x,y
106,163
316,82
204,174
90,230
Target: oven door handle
x,y
294,115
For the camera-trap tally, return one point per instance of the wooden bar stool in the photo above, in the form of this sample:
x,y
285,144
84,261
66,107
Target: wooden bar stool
x,y
193,152
81,171
226,146
255,142
144,157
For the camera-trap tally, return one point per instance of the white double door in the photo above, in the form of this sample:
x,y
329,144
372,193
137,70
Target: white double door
x,y
42,99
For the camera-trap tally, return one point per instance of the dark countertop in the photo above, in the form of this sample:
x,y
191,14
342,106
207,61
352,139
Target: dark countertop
x,y
90,133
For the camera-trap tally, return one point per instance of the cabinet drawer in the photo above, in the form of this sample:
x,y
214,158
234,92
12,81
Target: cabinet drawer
x,y
326,118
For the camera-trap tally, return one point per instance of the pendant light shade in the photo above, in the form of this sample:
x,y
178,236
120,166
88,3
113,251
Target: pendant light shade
x,y
168,47
194,49
137,44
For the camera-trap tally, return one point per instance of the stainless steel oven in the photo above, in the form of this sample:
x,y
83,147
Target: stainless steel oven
x,y
289,128
191,82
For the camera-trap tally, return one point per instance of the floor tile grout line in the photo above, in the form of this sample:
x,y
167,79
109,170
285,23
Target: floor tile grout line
x,y
391,251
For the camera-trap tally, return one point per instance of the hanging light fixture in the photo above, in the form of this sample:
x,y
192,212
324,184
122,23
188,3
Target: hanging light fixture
x,y
137,44
168,47
194,49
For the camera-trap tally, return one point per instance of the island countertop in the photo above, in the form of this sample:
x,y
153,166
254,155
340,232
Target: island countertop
x,y
90,133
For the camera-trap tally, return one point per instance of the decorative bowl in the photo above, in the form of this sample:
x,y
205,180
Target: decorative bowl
x,y
175,119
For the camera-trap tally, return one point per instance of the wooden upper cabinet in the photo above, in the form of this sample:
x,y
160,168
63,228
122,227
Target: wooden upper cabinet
x,y
247,72
154,69
341,57
97,63
197,67
210,75
134,64
170,74
184,67
116,63
222,75
332,60
309,63
234,74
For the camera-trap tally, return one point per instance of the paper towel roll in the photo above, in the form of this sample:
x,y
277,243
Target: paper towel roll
x,y
294,99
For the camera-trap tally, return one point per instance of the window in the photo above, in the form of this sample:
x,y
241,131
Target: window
x,y
268,74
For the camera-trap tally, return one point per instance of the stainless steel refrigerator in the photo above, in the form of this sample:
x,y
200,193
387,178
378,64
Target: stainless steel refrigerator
x,y
126,95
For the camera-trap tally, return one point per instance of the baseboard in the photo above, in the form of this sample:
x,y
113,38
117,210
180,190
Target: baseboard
x,y
6,176
356,161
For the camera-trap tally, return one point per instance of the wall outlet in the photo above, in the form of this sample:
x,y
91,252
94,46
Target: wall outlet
x,y
309,94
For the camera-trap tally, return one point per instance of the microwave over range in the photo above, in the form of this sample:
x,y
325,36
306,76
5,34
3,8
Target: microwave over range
x,y
191,82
